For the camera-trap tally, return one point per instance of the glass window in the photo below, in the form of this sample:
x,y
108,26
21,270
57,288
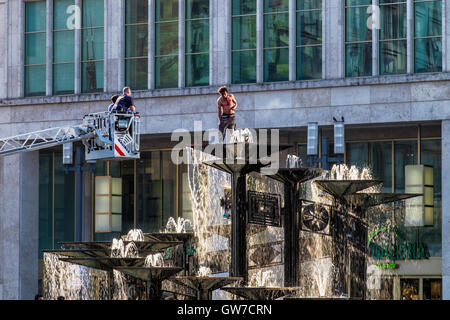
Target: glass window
x,y
166,47
35,48
63,47
276,40
309,39
244,41
428,36
155,174
197,43
405,154
393,25
92,42
432,289
136,44
358,39
166,55
56,202
409,289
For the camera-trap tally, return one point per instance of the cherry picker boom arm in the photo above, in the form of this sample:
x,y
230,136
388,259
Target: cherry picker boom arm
x,y
45,139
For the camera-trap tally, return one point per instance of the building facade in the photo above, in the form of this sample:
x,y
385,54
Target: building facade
x,y
382,65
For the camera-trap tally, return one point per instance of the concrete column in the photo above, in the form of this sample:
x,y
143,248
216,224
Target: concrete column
x,y
410,36
49,49
228,36
77,80
19,225
446,209
181,43
15,45
292,41
3,47
114,45
220,35
334,42
151,44
375,39
445,36
259,41
324,38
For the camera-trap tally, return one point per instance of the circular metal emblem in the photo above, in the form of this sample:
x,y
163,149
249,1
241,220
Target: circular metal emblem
x,y
315,217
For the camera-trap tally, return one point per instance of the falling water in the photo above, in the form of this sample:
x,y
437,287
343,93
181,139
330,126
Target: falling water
x,y
178,226
292,161
154,260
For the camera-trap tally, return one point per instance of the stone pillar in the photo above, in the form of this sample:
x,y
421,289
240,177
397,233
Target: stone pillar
x,y
292,41
49,49
220,35
15,48
445,36
375,38
259,41
151,44
77,40
333,44
446,209
114,45
181,43
410,36
19,225
3,47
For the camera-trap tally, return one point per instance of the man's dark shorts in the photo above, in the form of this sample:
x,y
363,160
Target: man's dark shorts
x,y
227,121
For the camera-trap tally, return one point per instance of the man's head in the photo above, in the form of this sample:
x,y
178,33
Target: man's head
x,y
114,98
126,91
223,91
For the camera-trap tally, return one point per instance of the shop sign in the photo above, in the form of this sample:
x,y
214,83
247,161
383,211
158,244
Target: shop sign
x,y
398,249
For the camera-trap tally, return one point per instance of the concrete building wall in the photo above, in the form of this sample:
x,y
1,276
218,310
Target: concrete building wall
x,y
19,225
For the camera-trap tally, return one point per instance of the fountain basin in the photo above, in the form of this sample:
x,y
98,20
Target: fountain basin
x,y
204,285
341,188
142,246
106,264
261,293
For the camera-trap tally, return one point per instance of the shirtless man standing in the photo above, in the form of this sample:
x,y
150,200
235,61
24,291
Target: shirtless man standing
x,y
226,106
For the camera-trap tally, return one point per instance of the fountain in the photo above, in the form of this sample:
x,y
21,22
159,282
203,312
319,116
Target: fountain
x,y
310,246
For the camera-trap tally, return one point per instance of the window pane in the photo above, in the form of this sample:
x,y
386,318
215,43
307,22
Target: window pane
x,y
45,201
136,72
244,66
63,46
35,81
127,170
169,186
405,153
356,24
428,55
393,21
166,10
166,72
276,65
63,78
92,13
357,154
197,70
381,163
428,18
136,11
63,14
166,38
309,27
358,59
309,4
392,57
64,202
309,63
197,9
276,30
357,2
197,36
35,48
244,7
35,13
92,44
276,5
92,76
136,41
244,32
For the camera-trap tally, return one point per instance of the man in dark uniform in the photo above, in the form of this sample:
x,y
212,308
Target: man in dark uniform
x,y
125,102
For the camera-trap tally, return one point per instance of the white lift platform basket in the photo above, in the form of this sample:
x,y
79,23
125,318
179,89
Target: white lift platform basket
x,y
106,136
